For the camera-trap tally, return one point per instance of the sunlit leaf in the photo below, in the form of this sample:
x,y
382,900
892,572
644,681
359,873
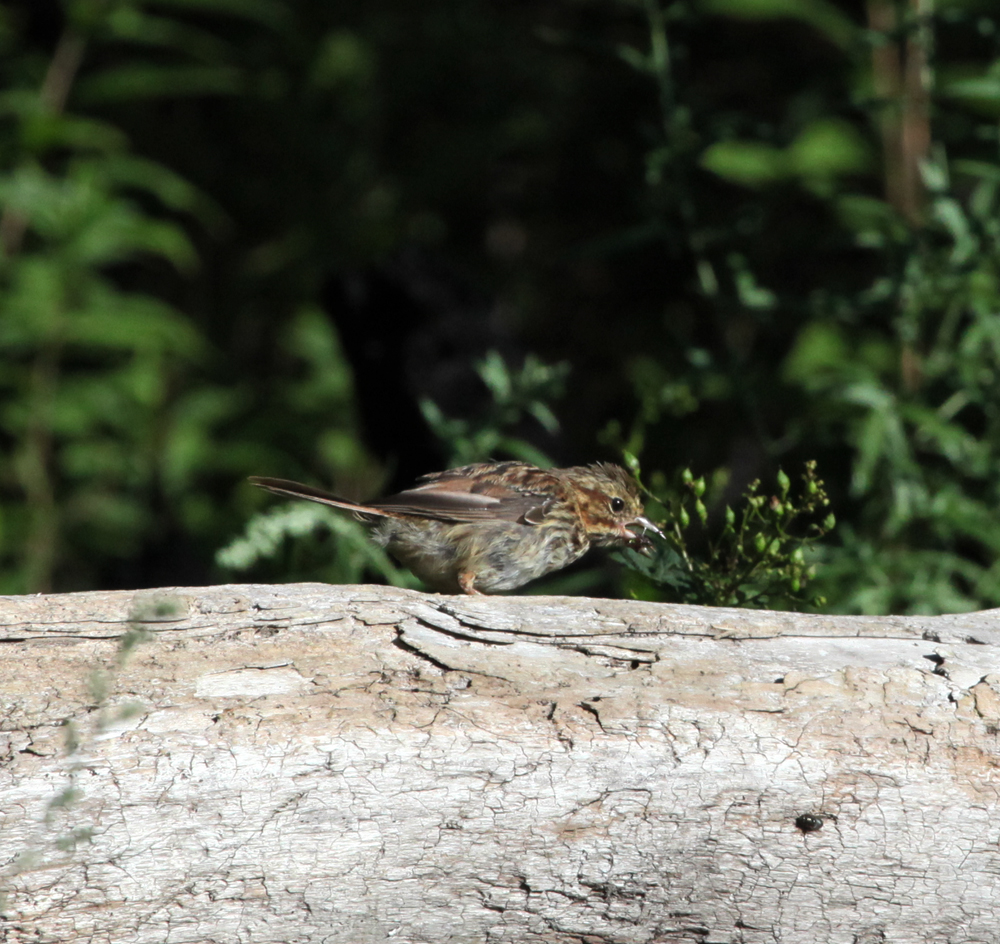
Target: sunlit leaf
x,y
746,162
138,81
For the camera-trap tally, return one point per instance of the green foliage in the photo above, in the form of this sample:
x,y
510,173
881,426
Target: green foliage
x,y
513,393
314,541
88,368
892,370
825,17
919,406
755,556
120,415
822,151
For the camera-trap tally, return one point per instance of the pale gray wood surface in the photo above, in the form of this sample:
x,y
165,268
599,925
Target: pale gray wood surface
x,y
358,764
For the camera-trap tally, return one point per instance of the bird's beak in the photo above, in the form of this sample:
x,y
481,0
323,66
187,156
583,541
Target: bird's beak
x,y
648,525
639,542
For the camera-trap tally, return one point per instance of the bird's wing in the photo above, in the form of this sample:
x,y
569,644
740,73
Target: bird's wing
x,y
489,492
473,493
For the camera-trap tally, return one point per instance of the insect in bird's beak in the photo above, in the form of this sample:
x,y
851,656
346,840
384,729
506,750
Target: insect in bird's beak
x,y
639,542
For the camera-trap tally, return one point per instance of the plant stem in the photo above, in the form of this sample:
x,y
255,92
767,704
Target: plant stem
x,y
52,95
34,462
34,471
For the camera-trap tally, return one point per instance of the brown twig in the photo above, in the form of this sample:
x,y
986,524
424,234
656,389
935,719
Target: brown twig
x,y
33,463
53,94
901,81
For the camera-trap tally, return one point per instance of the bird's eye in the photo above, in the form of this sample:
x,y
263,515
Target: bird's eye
x,y
617,504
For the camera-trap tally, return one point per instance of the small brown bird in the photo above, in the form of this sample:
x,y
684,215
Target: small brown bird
x,y
496,525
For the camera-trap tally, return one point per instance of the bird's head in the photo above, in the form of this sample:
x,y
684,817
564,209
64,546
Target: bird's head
x,y
610,506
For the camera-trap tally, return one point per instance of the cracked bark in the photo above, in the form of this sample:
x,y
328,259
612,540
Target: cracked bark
x,y
360,764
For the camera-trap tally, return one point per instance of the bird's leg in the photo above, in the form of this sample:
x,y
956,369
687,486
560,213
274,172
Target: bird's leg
x,y
466,579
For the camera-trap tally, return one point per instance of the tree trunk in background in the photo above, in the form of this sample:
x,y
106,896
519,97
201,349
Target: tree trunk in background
x,y
362,764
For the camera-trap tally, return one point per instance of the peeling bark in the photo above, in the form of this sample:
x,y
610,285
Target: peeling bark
x,y
360,764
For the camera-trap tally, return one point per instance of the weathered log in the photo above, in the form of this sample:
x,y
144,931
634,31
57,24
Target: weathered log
x,y
359,764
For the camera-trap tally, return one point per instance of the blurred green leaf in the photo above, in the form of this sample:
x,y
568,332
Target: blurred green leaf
x,y
130,23
829,147
172,190
749,163
273,14
142,81
824,149
343,59
822,16
818,357
981,93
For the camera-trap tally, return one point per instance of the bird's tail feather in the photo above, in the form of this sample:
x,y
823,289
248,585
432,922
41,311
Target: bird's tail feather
x,y
298,490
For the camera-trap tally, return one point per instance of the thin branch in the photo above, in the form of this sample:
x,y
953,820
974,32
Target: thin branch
x,y
53,95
